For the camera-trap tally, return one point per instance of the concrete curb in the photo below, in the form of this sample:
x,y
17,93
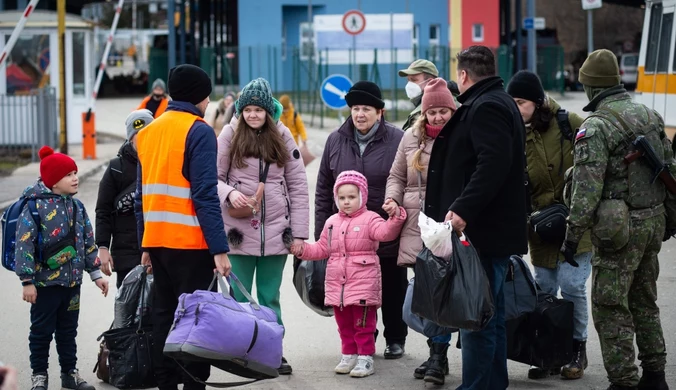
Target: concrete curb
x,y
83,176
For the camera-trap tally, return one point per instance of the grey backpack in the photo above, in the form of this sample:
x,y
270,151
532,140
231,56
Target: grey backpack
x,y
521,290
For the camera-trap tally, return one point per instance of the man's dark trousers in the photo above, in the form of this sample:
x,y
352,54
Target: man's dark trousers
x,y
484,353
176,272
55,312
395,283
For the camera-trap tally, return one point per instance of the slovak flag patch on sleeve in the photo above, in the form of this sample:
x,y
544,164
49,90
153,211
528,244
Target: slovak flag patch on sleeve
x,y
581,133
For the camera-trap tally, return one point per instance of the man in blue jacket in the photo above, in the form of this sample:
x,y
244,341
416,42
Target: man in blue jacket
x,y
178,211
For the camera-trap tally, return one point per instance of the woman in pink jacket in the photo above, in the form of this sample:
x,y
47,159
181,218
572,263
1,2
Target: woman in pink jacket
x,y
406,187
350,240
256,148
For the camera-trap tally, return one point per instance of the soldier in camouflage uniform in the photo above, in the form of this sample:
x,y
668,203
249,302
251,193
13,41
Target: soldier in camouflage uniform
x,y
626,212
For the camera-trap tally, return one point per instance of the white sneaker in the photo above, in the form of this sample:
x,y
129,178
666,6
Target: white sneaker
x,y
363,368
346,364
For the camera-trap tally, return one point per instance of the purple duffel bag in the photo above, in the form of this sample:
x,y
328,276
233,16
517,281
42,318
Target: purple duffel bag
x,y
241,338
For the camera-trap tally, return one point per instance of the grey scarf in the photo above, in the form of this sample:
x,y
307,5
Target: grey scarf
x,y
364,139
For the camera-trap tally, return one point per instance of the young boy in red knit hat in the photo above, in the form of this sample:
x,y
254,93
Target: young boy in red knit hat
x,y
50,260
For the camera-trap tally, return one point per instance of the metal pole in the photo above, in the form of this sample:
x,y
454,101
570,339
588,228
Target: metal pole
x,y
104,59
182,27
171,12
133,22
61,11
393,72
519,35
590,31
532,39
310,58
17,31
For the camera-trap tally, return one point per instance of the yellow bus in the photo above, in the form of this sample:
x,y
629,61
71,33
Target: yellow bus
x,y
656,86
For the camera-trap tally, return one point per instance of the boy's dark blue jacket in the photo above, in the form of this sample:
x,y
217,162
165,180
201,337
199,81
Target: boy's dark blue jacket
x,y
199,168
56,217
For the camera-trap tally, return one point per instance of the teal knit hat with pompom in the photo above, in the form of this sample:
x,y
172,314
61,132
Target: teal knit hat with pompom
x,y
256,93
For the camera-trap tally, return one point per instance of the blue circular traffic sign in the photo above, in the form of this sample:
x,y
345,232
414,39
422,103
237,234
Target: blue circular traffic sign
x,y
333,91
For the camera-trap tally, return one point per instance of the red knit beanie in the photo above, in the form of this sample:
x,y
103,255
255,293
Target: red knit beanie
x,y
437,95
54,166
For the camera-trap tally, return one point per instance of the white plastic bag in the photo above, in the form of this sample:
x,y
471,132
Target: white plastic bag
x,y
436,236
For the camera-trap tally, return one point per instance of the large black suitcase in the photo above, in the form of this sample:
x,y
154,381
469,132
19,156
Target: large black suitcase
x,y
544,337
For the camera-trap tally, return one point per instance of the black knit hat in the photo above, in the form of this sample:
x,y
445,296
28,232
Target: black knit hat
x,y
526,85
189,83
365,93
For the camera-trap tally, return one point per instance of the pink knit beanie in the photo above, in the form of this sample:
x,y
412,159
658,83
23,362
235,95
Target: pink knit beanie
x,y
355,178
437,95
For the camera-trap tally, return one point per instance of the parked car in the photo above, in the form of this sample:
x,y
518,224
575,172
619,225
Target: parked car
x,y
629,69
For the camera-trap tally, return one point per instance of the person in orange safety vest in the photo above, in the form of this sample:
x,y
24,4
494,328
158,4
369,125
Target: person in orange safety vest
x,y
178,211
157,101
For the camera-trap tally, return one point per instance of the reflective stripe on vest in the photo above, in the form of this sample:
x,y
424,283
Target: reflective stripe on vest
x,y
169,214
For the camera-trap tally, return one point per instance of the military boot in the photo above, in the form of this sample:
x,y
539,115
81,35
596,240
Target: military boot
x,y
653,380
575,369
437,367
419,372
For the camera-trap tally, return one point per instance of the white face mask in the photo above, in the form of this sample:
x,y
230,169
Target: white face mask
x,y
413,90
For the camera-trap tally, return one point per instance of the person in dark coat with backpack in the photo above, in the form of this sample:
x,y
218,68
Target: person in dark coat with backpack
x,y
115,220
367,143
549,153
476,181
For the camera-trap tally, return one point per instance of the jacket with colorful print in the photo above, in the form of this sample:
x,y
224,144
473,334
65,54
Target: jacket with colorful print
x,y
56,218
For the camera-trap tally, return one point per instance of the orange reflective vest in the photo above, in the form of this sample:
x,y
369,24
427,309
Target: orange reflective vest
x,y
168,210
160,110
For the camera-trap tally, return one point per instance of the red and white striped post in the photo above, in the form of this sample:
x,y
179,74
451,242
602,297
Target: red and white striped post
x,y
17,31
88,118
104,60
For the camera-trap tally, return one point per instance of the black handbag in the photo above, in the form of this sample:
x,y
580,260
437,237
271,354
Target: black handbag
x,y
544,337
549,223
130,352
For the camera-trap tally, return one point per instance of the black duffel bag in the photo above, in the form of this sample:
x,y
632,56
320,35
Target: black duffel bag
x,y
549,223
130,354
544,337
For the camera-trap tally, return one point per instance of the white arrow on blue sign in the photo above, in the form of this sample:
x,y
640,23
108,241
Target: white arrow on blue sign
x,y
333,91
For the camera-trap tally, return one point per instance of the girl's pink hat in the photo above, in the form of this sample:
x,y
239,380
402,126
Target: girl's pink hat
x,y
355,178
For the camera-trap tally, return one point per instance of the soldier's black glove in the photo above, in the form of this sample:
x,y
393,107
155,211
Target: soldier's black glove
x,y
668,233
568,249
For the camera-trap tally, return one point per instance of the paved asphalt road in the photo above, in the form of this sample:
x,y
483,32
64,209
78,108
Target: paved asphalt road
x,y
312,345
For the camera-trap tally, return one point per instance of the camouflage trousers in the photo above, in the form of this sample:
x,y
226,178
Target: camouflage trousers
x,y
624,295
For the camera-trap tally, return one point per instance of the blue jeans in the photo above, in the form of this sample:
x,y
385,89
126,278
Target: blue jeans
x,y
484,353
572,281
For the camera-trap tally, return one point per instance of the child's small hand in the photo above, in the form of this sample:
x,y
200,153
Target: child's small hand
x,y
103,285
297,249
397,212
30,293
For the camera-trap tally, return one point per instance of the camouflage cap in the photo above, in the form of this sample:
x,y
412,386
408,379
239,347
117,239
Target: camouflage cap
x,y
600,70
420,66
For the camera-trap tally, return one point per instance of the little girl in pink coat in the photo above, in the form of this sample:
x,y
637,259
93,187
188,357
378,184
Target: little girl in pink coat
x,y
353,282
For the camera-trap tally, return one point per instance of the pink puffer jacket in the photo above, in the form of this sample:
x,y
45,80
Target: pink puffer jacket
x,y
286,214
350,242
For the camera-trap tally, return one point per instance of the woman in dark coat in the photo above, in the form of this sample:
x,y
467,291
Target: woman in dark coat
x,y
368,144
115,220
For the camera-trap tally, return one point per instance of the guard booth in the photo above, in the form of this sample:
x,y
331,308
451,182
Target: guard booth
x,y
33,63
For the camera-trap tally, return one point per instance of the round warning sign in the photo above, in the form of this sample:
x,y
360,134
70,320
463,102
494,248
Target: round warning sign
x,y
354,22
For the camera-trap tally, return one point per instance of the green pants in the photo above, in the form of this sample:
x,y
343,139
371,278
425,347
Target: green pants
x,y
268,270
624,295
